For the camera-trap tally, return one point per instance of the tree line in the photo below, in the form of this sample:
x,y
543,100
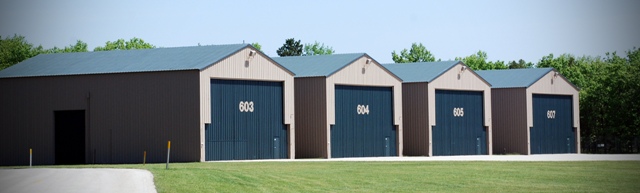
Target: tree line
x,y
478,61
291,47
15,49
609,85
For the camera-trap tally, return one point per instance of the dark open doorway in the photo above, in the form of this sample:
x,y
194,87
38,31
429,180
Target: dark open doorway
x,y
69,137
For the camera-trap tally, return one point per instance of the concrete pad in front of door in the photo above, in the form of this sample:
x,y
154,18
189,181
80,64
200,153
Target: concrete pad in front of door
x,y
526,158
76,180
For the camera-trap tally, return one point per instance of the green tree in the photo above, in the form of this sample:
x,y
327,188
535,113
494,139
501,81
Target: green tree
x,y
609,90
520,64
317,49
417,53
15,49
80,46
121,44
257,46
569,66
479,61
291,47
619,91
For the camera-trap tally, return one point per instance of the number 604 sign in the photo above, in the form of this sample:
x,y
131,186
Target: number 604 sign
x,y
362,109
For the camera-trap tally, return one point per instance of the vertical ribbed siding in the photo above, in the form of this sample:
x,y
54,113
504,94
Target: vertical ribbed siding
x,y
359,73
459,129
311,118
366,133
143,113
510,131
255,131
552,133
416,117
126,114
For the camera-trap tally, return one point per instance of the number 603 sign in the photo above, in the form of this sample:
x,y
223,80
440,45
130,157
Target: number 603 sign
x,y
246,106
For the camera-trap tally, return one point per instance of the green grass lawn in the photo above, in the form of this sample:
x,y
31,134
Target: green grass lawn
x,y
456,176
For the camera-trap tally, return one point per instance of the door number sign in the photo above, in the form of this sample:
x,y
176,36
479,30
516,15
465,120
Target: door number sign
x,y
362,109
551,114
458,112
246,106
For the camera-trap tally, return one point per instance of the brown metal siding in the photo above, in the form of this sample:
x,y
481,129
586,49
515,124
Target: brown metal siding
x,y
509,112
416,118
125,114
311,117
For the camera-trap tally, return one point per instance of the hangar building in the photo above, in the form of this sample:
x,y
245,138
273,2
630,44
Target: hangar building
x,y
535,111
446,109
347,105
221,102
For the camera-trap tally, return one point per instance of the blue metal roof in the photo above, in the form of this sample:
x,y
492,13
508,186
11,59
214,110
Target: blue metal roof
x,y
318,65
420,71
122,61
513,78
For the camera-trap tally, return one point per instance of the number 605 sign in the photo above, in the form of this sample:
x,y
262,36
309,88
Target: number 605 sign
x,y
458,112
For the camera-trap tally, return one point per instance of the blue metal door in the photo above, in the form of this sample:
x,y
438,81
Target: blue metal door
x,y
552,130
364,122
246,117
459,128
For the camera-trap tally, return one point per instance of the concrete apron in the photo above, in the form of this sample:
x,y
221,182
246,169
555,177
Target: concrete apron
x,y
529,158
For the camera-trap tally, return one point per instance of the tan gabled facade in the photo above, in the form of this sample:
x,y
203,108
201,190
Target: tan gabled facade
x,y
513,108
420,106
359,73
242,66
555,84
464,80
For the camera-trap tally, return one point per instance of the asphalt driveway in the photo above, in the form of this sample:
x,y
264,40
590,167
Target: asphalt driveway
x,y
76,180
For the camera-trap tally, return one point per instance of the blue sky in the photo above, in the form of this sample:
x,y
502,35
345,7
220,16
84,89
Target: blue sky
x,y
506,30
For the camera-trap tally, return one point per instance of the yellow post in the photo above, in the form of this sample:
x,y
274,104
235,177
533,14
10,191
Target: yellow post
x,y
168,152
